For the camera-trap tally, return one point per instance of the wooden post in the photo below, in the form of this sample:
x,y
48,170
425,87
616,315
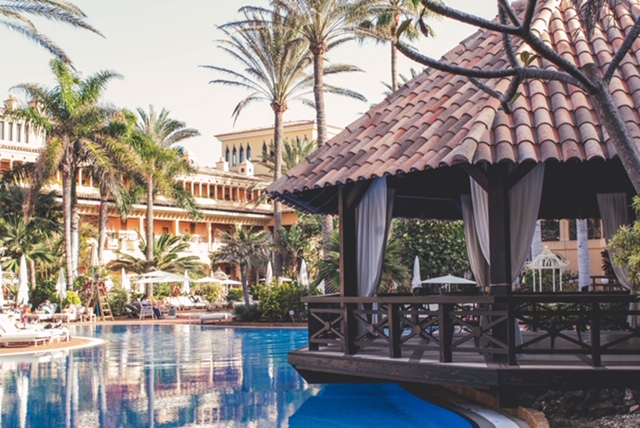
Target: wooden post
x,y
500,248
445,325
395,331
596,355
348,265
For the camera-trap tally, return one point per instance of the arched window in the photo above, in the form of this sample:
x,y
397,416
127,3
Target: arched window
x,y
227,154
264,151
241,154
248,152
234,158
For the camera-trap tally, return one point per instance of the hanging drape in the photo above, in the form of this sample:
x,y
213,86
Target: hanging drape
x,y
524,203
479,265
373,217
614,211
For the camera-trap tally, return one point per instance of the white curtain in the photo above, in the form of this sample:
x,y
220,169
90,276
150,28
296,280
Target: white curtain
x,y
615,213
479,265
373,216
524,203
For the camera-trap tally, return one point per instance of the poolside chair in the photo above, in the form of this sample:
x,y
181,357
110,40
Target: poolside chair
x,y
199,302
174,302
9,333
146,310
185,302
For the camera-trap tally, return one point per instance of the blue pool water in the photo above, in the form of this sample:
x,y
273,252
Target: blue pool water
x,y
193,376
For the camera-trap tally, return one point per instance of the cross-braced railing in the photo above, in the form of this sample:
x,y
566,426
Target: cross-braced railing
x,y
500,328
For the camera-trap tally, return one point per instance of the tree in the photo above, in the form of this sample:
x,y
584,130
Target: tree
x,y
624,246
440,245
274,60
161,164
325,24
293,152
74,123
13,15
385,21
246,248
166,251
517,29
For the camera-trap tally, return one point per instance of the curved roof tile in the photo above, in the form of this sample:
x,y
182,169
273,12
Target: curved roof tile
x,y
439,119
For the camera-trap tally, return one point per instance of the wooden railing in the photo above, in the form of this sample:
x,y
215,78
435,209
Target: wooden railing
x,y
500,328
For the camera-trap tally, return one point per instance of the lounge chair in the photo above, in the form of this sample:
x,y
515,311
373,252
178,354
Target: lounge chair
x,y
199,302
9,333
185,302
146,310
72,313
174,302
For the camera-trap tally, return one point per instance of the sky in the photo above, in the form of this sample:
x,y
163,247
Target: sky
x,y
159,46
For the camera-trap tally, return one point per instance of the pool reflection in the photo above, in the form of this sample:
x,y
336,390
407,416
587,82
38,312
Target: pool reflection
x,y
158,376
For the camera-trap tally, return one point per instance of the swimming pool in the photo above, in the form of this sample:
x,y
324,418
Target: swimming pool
x,y
193,376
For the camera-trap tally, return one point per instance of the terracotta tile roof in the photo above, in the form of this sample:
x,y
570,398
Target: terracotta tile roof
x,y
439,120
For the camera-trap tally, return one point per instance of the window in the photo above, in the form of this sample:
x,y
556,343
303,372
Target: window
x,y
234,158
241,154
26,134
593,229
227,155
248,152
1,130
264,151
550,230
165,230
18,133
10,133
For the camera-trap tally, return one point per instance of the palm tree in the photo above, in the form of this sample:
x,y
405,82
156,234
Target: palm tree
x,y
37,237
325,24
166,251
13,15
294,245
247,248
162,164
293,152
384,22
275,60
74,124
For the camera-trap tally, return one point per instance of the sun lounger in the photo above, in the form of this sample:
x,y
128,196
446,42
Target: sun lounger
x,y
174,302
214,317
185,302
9,333
198,302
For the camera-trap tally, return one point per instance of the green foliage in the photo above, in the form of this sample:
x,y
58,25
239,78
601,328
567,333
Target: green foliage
x,y
234,295
43,291
607,267
569,282
252,315
72,298
117,298
212,292
439,244
625,246
162,290
278,300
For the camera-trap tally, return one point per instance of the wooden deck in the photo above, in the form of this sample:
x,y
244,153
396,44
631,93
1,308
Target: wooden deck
x,y
562,341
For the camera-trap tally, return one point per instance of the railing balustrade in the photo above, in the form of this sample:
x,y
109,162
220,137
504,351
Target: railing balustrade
x,y
451,326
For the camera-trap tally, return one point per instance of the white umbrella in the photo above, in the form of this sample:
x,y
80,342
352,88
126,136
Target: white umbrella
x,y
269,277
125,282
415,281
448,280
206,279
1,289
303,276
322,288
94,262
23,285
186,284
61,286
156,277
230,282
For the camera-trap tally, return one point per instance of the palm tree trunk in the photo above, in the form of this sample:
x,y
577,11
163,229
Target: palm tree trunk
x,y
66,214
582,233
32,273
321,119
102,220
245,287
277,172
75,236
394,68
149,233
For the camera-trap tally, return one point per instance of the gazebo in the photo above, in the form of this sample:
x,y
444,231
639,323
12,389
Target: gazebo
x,y
546,261
440,148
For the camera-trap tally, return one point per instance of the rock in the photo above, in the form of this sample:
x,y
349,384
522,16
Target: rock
x,y
603,408
634,408
629,398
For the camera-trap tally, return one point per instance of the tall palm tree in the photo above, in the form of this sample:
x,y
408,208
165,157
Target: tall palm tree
x,y
162,163
275,60
385,20
74,123
293,152
13,15
325,24
246,248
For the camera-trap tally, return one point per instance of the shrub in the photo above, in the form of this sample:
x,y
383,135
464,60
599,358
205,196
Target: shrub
x,y
235,295
212,292
117,298
278,300
241,313
43,291
72,298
